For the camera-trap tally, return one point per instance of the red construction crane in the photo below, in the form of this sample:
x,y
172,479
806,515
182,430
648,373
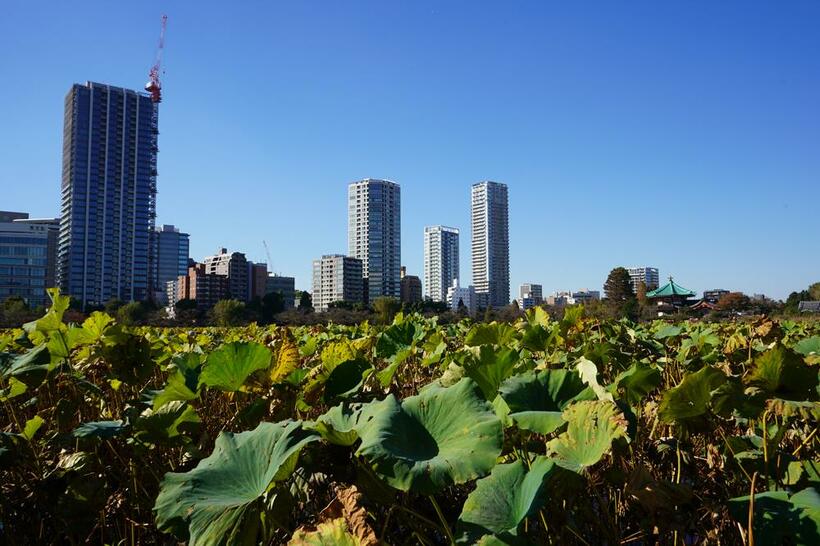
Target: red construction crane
x,y
153,86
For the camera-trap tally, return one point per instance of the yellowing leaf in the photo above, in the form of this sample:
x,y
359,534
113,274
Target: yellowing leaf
x,y
287,360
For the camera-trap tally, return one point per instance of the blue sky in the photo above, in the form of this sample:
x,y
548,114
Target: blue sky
x,y
682,135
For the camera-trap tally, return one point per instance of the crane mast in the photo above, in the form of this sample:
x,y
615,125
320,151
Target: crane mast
x,y
154,86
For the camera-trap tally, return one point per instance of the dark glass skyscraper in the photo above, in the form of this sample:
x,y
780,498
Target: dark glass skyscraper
x,y
169,250
108,194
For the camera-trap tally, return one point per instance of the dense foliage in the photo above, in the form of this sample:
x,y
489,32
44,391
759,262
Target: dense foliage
x,y
571,431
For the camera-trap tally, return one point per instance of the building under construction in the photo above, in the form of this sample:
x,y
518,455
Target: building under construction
x,y
109,189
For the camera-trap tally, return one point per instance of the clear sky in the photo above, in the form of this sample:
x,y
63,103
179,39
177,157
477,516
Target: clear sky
x,y
681,135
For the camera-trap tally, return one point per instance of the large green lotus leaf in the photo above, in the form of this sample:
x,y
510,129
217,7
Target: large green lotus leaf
x,y
222,500
780,519
782,372
808,346
397,338
502,500
228,367
593,426
536,400
183,382
341,424
346,379
170,422
440,437
490,334
329,533
32,366
690,399
637,381
490,367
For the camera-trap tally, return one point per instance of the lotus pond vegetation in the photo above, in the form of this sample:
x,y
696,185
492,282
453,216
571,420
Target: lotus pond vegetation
x,y
571,431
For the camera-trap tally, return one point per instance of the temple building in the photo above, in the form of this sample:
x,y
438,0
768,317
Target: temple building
x,y
670,297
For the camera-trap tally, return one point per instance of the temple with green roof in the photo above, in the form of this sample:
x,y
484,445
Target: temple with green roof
x,y
670,297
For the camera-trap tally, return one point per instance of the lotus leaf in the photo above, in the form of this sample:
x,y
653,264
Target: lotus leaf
x,y
223,500
346,379
780,519
99,429
593,426
690,399
228,367
782,372
440,437
536,400
329,533
490,367
502,500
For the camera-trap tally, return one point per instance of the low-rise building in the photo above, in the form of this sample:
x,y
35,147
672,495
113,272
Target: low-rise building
x,y
336,277
285,286
257,280
28,255
530,295
585,296
410,287
460,295
234,267
809,307
713,296
203,287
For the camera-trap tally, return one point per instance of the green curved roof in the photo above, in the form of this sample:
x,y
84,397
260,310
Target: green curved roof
x,y
670,289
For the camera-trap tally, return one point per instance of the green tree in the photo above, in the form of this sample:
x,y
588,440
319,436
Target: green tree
x,y
386,308
619,294
228,313
618,286
305,301
643,301
734,301
132,313
113,305
814,291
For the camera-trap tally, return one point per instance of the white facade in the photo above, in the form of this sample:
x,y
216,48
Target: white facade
x,y
490,243
374,234
648,275
441,261
465,295
336,278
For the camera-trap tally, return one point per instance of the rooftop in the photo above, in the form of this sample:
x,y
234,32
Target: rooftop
x,y
670,289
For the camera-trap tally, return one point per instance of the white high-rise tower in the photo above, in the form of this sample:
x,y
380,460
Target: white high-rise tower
x,y
490,243
440,261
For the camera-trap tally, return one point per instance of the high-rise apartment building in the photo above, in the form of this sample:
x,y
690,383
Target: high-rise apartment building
x,y
169,248
233,266
108,194
374,234
27,257
441,261
337,278
490,244
648,275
